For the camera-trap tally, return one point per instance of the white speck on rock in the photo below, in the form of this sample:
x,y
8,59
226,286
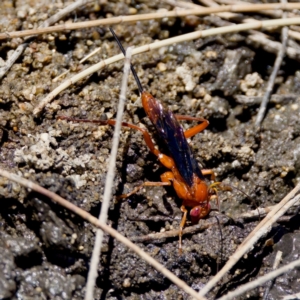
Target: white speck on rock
x,y
79,180
186,76
39,155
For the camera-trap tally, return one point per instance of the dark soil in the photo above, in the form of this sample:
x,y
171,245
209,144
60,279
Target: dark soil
x,y
45,250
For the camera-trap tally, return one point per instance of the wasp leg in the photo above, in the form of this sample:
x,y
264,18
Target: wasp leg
x,y
196,129
166,177
169,177
167,161
145,133
182,223
209,172
146,183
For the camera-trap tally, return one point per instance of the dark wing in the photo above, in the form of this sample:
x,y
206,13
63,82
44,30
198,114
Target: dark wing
x,y
171,131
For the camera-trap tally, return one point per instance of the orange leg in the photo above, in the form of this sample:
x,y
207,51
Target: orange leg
x,y
212,187
167,161
164,159
145,133
209,172
196,129
147,183
182,223
167,177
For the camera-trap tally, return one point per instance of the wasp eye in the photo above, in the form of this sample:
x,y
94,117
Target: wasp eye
x,y
199,212
195,214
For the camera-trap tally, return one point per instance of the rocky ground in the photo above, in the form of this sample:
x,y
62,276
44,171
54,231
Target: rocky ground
x,y
45,249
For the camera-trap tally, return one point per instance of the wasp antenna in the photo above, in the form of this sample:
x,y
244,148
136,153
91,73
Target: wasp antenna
x,y
229,186
138,82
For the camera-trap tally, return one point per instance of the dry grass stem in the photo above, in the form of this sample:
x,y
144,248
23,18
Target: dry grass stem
x,y
261,280
18,52
295,28
263,106
272,13
294,35
92,275
151,16
81,61
163,43
224,15
230,15
256,213
12,58
275,98
88,217
277,261
170,233
227,15
291,297
263,227
65,11
260,40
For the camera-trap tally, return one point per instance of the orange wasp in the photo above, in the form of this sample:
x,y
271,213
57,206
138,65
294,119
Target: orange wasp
x,y
184,172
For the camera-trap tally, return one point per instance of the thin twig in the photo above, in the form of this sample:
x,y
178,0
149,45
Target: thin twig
x,y
170,233
11,60
225,15
275,98
259,39
291,297
271,82
88,217
65,11
109,182
163,43
256,213
256,37
55,18
81,61
280,55
273,13
144,17
288,201
271,46
276,263
261,280
231,14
